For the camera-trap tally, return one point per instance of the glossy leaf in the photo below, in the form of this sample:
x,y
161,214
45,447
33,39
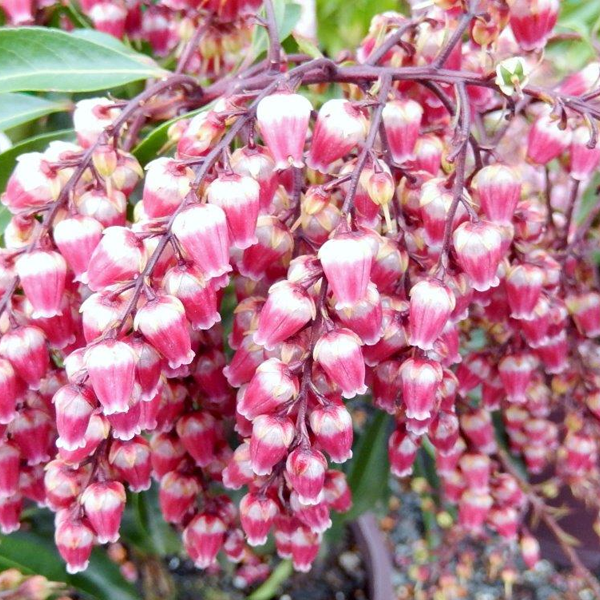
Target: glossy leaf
x,y
369,468
38,59
16,109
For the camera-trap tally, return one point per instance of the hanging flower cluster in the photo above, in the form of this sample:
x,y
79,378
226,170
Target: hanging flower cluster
x,y
419,237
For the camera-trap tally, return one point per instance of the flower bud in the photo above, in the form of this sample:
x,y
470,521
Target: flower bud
x,y
402,121
26,349
271,387
91,117
478,249
516,372
256,162
283,122
546,140
402,451
340,127
288,308
74,541
473,509
198,296
9,385
584,160
119,257
77,238
167,183
42,276
305,469
498,189
585,310
336,491
167,453
111,368
332,427
202,131
257,514
74,405
10,458
347,260
532,23
32,185
198,435
305,546
339,354
162,322
106,207
202,231
238,196
203,538
420,379
104,503
431,304
131,459
271,438
177,495
274,247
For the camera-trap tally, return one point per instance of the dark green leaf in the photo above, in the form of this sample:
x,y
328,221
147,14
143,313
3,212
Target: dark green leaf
x,y
38,143
16,109
38,59
369,469
32,554
152,531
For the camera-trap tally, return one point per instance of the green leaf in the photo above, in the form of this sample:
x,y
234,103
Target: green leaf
x,y
369,469
34,554
287,14
8,159
307,46
38,59
152,534
16,109
270,588
109,41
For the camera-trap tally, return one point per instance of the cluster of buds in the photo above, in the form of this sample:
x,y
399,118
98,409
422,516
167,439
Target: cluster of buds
x,y
369,245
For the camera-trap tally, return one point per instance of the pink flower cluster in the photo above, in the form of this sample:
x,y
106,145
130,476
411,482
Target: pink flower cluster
x,y
372,246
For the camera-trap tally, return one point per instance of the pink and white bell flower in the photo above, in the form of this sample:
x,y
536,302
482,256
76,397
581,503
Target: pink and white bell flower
x,y
238,196
532,22
339,353
203,537
202,231
283,122
120,256
431,304
478,246
288,308
498,190
77,237
111,368
420,380
269,443
43,275
104,503
584,160
347,260
162,322
340,127
74,405
332,427
257,513
167,183
402,122
305,469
